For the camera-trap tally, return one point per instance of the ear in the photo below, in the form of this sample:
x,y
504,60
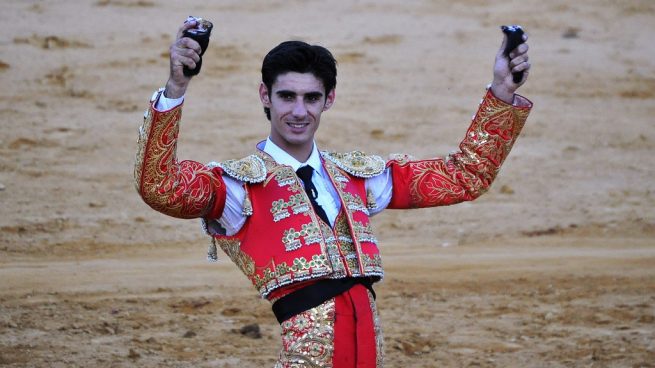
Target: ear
x,y
329,99
263,95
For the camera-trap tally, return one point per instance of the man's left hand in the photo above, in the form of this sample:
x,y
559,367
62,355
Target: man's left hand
x,y
503,86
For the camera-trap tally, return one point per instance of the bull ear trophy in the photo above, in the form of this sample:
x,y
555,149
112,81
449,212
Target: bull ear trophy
x,y
514,38
199,34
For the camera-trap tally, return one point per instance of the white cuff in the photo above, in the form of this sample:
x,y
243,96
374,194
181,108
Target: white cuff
x,y
163,103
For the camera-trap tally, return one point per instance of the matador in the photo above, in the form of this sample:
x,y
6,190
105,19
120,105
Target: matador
x,y
296,219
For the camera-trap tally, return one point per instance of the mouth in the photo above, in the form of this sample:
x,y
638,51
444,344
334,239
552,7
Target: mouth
x,y
297,125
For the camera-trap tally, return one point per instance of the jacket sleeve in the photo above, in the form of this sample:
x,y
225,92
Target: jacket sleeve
x,y
184,189
467,173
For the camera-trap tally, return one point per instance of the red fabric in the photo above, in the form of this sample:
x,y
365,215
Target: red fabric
x,y
284,242
354,330
185,189
468,173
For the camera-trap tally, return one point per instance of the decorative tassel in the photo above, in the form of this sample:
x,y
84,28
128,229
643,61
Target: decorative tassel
x,y
370,200
212,252
247,205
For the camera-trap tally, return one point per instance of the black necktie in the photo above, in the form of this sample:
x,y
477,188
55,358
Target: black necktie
x,y
305,174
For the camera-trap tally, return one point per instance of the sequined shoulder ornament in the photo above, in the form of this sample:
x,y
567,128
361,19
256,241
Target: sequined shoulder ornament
x,y
356,163
249,169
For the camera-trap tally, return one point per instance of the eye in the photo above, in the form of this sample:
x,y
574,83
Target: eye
x,y
285,96
312,98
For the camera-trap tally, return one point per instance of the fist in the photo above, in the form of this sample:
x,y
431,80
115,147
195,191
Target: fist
x,y
503,85
183,52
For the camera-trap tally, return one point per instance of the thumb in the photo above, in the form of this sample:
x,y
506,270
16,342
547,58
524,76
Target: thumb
x,y
503,45
188,24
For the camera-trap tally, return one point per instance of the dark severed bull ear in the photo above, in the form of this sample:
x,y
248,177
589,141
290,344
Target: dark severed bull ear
x,y
199,34
514,38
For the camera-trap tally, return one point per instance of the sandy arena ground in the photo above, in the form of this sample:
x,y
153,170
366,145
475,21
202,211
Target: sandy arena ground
x,y
553,267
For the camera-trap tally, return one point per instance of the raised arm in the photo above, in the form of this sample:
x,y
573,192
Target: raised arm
x,y
184,189
468,173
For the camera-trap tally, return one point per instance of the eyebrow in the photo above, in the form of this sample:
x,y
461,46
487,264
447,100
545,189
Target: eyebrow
x,y
285,92
314,94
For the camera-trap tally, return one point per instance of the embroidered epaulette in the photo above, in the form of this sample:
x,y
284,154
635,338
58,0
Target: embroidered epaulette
x,y
249,169
356,163
401,158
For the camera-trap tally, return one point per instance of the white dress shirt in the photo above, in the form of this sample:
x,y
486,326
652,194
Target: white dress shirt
x,y
233,219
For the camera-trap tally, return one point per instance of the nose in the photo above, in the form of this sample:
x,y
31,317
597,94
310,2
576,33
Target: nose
x,y
299,109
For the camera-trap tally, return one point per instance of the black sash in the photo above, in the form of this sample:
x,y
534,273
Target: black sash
x,y
314,295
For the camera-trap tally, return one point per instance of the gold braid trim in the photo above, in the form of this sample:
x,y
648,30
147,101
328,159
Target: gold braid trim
x,y
251,169
186,189
356,163
468,173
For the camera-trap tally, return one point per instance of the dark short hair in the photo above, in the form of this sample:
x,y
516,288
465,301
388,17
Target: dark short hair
x,y
299,57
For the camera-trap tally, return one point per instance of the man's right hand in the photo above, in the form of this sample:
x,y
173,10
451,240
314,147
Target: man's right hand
x,y
183,52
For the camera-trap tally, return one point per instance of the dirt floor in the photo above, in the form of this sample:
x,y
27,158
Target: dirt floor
x,y
553,267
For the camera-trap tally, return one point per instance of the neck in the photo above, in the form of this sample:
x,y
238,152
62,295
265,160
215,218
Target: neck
x,y
300,153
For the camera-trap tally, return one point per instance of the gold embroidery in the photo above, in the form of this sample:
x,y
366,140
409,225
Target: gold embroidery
x,y
332,251
340,178
334,172
346,252
371,204
467,174
232,248
307,338
354,203
179,189
364,232
250,169
377,327
247,205
310,233
290,239
373,265
285,176
296,202
339,254
356,163
299,204
282,274
279,210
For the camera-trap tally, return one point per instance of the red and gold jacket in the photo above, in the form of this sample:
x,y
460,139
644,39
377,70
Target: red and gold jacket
x,y
283,242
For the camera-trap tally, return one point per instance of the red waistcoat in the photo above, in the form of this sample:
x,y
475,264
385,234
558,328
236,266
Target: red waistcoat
x,y
283,241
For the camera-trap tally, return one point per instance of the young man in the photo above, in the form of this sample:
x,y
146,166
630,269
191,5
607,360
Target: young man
x,y
295,219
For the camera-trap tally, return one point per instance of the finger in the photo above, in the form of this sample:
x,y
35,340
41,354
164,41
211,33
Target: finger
x,y
188,24
519,50
184,51
184,61
518,60
523,67
192,54
189,43
180,53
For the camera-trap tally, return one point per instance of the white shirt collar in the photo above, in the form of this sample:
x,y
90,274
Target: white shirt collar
x,y
282,157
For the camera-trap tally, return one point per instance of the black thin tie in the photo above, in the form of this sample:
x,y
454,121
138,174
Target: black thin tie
x,y
305,174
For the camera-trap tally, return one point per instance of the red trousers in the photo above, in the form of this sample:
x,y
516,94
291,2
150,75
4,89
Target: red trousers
x,y
343,332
